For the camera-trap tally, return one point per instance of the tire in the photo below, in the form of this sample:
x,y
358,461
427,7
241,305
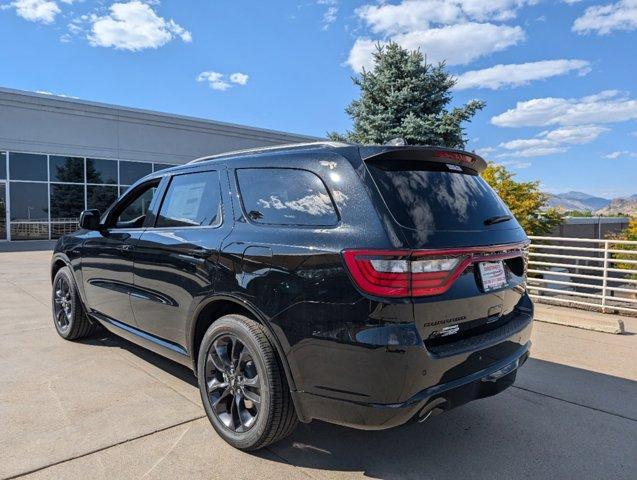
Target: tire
x,y
228,392
69,316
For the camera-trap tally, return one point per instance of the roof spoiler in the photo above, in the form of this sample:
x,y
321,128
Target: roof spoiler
x,y
433,154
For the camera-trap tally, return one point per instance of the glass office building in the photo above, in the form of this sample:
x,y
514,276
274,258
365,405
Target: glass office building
x,y
41,196
59,156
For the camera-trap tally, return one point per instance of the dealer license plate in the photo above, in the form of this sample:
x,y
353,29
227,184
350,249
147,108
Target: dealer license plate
x,y
492,275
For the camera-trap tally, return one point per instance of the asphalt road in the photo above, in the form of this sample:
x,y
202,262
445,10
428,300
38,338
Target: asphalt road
x,y
104,408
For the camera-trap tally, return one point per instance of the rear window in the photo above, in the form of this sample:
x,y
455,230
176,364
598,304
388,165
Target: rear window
x,y
436,196
285,196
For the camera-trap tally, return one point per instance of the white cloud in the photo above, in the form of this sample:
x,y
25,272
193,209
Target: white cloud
x,y
603,19
239,78
215,80
622,153
551,142
517,164
457,31
485,151
331,12
133,26
531,147
609,106
218,81
411,15
577,135
457,44
46,92
41,11
514,75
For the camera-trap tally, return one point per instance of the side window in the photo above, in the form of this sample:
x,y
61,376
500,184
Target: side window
x,y
131,213
192,199
285,196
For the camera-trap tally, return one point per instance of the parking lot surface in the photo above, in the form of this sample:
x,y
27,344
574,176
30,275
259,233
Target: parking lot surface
x,y
104,408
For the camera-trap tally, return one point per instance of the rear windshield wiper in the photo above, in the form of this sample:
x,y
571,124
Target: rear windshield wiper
x,y
497,219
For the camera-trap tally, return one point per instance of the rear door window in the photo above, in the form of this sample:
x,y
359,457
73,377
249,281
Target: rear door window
x,y
437,196
285,196
192,199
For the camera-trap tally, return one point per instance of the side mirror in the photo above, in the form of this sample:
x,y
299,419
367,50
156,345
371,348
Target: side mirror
x,y
90,219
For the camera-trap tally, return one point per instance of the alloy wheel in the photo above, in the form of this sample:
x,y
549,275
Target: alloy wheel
x,y
63,303
232,383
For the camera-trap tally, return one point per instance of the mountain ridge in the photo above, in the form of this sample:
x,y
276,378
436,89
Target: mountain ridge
x,y
585,202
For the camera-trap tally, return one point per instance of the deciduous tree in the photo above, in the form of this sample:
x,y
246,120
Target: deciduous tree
x,y
525,200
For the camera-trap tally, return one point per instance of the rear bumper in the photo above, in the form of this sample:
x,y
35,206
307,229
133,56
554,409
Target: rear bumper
x,y
442,397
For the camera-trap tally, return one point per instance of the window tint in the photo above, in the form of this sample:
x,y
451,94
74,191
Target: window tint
x,y
66,169
435,197
192,199
130,172
27,166
3,165
285,196
101,171
135,212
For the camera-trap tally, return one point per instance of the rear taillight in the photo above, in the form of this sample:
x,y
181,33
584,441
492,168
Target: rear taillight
x,y
432,275
403,273
380,273
406,273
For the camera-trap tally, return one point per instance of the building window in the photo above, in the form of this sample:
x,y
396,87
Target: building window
x,y
3,211
48,192
29,211
66,169
100,196
27,166
67,202
130,172
3,165
161,166
101,171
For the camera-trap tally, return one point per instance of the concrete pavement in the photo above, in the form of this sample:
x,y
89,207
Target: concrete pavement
x,y
104,408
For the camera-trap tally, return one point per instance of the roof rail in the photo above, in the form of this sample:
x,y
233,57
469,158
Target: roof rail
x,y
286,146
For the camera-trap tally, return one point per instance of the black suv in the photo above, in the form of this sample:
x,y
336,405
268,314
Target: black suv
x,y
361,285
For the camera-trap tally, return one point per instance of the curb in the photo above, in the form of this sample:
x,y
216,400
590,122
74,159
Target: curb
x,y
598,322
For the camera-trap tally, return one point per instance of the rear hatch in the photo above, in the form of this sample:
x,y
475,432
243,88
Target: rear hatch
x,y
441,201
462,247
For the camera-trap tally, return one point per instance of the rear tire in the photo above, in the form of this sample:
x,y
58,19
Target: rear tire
x,y
69,316
242,384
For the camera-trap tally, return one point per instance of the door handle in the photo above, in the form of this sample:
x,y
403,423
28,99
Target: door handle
x,y
126,248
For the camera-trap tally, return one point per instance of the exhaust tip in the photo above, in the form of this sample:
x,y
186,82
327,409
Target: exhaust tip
x,y
432,409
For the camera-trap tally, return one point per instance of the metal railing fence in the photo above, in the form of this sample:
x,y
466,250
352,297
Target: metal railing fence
x,y
595,274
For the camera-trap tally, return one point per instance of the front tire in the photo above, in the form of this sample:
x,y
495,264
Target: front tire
x,y
69,317
242,384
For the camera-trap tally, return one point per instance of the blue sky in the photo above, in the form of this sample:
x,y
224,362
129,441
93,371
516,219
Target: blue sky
x,y
558,76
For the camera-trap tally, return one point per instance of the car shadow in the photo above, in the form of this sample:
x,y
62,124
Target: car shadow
x,y
557,421
107,339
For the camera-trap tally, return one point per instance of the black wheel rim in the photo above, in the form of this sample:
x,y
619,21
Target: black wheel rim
x,y
62,304
232,383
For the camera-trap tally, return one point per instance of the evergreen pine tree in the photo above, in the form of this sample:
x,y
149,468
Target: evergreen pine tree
x,y
404,96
